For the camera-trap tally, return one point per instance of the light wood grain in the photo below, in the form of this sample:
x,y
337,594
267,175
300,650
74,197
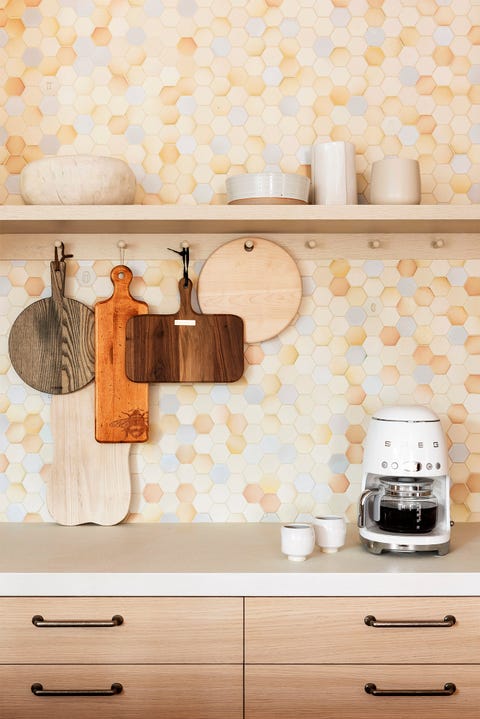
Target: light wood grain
x,y
186,346
51,342
159,630
255,279
326,630
121,406
337,692
89,481
149,692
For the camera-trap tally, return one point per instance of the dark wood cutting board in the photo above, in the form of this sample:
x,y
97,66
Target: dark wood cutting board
x,y
121,406
184,347
51,343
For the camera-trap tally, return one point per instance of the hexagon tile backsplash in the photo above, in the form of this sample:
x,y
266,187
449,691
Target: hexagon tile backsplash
x,y
188,91
286,440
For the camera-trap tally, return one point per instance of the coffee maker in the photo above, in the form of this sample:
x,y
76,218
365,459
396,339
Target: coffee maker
x,y
405,500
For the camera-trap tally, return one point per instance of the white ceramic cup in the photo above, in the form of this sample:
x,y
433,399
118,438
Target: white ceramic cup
x,y
395,181
330,532
298,541
334,178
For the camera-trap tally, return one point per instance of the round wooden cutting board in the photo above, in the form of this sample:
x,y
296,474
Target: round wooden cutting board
x,y
255,279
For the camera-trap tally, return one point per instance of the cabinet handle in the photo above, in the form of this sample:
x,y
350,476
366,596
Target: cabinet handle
x,y
448,689
448,621
39,621
39,691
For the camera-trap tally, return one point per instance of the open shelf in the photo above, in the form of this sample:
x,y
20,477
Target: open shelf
x,y
309,231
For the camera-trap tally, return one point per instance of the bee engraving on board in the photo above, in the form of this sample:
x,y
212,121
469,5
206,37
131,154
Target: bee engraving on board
x,y
135,423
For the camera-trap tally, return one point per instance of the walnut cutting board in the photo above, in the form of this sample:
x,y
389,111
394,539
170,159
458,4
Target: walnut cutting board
x,y
255,279
51,343
121,406
184,347
89,482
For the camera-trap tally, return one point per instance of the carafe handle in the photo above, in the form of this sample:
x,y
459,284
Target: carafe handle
x,y
362,514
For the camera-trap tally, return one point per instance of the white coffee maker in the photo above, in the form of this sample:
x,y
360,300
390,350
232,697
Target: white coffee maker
x,y
405,501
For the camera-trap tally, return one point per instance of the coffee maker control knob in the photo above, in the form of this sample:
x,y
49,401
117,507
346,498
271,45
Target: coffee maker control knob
x,y
412,466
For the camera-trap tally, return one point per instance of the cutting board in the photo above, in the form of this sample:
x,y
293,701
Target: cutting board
x,y
51,343
255,279
121,406
89,481
184,347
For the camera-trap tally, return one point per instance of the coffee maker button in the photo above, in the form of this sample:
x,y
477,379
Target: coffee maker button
x,y
437,466
430,465
384,465
394,465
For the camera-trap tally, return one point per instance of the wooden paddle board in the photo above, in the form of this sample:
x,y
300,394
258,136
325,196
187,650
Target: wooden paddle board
x,y
89,481
51,343
184,347
255,279
121,406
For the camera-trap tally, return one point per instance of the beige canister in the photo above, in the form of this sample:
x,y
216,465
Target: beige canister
x,y
395,181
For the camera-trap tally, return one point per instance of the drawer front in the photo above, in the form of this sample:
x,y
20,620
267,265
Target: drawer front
x,y
338,692
156,630
148,692
325,630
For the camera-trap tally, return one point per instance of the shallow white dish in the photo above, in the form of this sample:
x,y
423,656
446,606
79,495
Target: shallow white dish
x,y
267,188
77,180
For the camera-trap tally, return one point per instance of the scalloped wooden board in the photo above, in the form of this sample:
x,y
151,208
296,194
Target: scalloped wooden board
x,y
89,481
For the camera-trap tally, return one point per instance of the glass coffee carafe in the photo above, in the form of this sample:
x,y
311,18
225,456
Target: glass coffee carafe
x,y
403,506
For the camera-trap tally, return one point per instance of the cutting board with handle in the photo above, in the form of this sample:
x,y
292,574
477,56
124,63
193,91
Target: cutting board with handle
x,y
89,481
184,347
51,343
121,406
255,279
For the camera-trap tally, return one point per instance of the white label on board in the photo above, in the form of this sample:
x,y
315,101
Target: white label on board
x,y
190,323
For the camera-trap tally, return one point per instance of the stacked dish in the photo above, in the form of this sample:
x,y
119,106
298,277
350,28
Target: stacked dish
x,y
268,188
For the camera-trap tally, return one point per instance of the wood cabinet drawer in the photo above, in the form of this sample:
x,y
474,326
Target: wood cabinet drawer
x,y
156,630
149,692
333,629
338,692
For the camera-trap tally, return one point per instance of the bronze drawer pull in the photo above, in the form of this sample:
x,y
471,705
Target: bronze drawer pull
x,y
39,691
448,621
448,689
39,621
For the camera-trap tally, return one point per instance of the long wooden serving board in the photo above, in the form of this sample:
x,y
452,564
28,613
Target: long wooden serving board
x,y
184,347
121,406
51,343
89,482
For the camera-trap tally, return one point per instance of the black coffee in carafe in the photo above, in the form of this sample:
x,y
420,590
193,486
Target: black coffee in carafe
x,y
407,507
412,519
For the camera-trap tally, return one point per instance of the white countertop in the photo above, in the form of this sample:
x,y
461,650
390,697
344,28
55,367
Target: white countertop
x,y
219,560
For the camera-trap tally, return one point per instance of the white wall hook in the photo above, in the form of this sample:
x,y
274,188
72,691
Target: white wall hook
x,y
311,244
122,246
374,244
437,244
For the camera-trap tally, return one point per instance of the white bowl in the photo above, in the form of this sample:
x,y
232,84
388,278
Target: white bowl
x,y
267,188
77,180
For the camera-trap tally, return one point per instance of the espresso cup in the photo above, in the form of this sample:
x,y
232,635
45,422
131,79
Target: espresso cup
x,y
330,532
298,541
395,181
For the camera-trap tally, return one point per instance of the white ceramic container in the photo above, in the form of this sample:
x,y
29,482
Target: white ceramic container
x,y
395,181
330,532
77,180
298,541
267,188
334,176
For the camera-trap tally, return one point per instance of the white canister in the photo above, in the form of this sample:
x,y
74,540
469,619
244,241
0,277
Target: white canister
x,y
395,181
334,177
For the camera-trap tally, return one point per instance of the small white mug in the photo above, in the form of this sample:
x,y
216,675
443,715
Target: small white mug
x,y
395,181
334,177
298,541
330,532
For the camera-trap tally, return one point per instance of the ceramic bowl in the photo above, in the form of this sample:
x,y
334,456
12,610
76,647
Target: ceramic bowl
x,y
268,188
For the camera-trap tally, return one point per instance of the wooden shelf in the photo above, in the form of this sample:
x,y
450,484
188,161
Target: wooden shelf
x,y
311,231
